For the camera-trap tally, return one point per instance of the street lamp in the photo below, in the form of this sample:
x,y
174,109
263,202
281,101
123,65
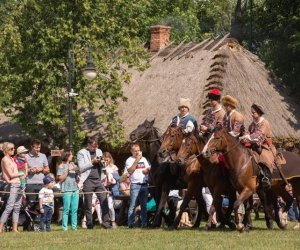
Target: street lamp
x,y
89,72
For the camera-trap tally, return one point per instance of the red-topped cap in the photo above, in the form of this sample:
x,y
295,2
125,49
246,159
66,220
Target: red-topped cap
x,y
214,92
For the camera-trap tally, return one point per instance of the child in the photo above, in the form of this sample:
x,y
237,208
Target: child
x,y
21,162
46,203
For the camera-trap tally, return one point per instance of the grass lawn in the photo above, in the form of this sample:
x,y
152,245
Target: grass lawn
x,y
124,238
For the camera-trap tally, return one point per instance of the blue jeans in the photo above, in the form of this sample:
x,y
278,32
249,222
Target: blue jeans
x,y
46,219
138,191
70,203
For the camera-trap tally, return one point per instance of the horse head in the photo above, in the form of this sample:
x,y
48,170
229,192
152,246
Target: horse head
x,y
191,145
216,143
171,143
142,132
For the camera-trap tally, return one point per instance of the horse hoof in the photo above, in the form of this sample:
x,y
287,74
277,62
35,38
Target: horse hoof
x,y
282,226
297,227
172,228
269,224
231,225
240,227
221,226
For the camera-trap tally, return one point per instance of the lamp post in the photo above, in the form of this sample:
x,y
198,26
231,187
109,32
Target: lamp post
x,y
89,72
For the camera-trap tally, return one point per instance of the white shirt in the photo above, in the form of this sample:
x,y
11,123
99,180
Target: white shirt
x,y
137,176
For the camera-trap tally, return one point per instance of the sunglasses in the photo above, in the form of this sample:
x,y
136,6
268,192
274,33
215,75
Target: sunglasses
x,y
12,149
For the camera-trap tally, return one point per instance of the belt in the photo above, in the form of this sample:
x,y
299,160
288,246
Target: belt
x,y
142,184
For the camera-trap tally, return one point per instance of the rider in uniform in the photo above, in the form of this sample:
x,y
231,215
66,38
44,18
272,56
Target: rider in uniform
x,y
233,120
184,118
215,115
260,138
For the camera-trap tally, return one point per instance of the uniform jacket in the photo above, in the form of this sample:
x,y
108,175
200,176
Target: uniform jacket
x,y
261,136
234,121
213,119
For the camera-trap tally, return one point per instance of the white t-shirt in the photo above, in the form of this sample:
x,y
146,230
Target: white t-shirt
x,y
137,176
47,196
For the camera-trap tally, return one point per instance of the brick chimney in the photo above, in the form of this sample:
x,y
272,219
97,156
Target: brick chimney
x,y
160,37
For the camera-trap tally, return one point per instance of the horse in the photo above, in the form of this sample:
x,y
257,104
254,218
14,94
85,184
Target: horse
x,y
149,138
174,177
243,168
212,175
160,176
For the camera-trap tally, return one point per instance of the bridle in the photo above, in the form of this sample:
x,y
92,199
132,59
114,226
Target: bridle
x,y
174,134
194,140
208,153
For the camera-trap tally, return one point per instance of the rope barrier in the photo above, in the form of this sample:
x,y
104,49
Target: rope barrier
x,y
61,193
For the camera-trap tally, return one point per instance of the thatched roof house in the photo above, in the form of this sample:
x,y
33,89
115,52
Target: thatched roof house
x,y
191,70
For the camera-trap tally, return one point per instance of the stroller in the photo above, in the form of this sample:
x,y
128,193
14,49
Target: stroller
x,y
29,216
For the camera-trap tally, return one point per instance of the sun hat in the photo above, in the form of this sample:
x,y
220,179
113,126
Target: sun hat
x,y
21,149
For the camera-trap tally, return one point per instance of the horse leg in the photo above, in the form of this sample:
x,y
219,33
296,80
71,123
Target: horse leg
x,y
232,199
201,209
268,208
244,195
162,203
247,217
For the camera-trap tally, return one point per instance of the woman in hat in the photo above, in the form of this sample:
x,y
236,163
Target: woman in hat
x,y
215,115
233,120
184,118
260,137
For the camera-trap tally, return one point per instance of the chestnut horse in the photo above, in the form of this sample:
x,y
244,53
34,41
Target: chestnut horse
x,y
215,177
243,171
174,177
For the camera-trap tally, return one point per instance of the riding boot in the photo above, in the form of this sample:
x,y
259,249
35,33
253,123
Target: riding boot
x,y
265,178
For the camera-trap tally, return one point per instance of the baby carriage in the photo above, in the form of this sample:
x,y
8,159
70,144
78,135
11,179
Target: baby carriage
x,y
29,217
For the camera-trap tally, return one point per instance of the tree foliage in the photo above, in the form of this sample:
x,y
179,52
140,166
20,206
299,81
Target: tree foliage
x,y
36,36
276,38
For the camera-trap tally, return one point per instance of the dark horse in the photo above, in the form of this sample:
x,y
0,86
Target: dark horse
x,y
243,171
214,176
173,178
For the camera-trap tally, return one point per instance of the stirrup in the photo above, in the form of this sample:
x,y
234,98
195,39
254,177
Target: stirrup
x,y
265,183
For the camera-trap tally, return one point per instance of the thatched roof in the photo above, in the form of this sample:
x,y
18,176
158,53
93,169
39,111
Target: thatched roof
x,y
191,70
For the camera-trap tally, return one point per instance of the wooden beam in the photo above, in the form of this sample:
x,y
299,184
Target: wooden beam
x,y
193,48
176,48
212,40
179,51
161,50
218,43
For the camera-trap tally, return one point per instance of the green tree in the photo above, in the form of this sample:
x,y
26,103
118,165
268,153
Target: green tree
x,y
276,32
34,42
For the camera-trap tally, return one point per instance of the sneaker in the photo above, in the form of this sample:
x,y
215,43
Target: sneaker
x,y
130,226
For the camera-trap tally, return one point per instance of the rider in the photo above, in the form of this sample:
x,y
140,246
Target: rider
x,y
260,138
184,118
233,120
215,115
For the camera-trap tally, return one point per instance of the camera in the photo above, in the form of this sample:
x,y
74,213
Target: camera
x,y
98,158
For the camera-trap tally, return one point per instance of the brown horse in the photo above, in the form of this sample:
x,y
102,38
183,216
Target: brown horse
x,y
243,172
212,176
171,143
174,177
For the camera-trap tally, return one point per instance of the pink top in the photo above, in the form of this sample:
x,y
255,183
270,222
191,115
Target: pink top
x,y
9,163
